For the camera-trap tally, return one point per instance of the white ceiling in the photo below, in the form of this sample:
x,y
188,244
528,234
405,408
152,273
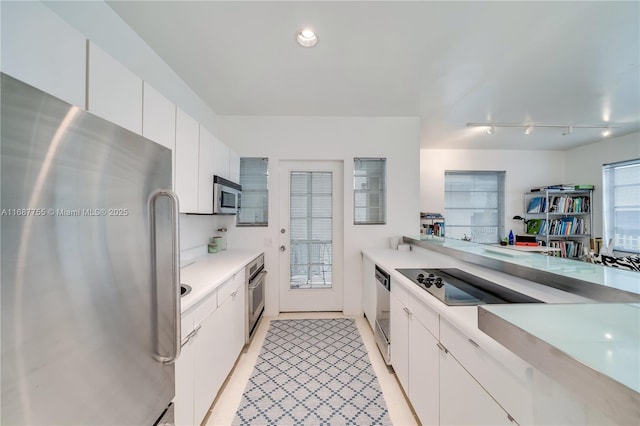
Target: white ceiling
x,y
448,62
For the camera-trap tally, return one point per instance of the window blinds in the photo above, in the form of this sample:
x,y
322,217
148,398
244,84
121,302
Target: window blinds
x,y
474,205
369,191
254,177
621,205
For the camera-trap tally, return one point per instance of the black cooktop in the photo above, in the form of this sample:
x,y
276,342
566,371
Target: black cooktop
x,y
459,288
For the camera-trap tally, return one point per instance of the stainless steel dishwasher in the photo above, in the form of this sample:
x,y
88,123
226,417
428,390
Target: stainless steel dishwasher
x,y
382,330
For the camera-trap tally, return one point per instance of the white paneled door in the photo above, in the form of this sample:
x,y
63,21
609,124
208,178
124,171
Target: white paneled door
x,y
311,236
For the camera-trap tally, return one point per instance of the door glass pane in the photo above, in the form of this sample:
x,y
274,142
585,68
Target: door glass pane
x,y
311,229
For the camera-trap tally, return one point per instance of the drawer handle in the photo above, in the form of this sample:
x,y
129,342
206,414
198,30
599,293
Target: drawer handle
x,y
511,419
442,348
408,312
474,343
190,335
234,293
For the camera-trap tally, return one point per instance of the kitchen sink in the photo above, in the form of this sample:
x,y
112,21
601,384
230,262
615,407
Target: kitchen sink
x,y
184,290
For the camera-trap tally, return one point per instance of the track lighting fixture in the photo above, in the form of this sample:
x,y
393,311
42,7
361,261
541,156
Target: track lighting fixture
x,y
567,129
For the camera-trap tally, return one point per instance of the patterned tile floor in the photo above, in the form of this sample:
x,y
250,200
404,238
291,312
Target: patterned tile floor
x,y
224,409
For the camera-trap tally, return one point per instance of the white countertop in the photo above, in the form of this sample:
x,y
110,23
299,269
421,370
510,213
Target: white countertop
x,y
205,274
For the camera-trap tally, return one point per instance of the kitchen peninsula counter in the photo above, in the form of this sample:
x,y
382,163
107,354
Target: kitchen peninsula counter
x,y
592,348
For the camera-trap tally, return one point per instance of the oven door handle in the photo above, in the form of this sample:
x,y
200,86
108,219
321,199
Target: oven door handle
x,y
257,279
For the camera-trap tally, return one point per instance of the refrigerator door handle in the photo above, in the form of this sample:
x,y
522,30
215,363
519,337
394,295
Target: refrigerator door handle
x,y
175,269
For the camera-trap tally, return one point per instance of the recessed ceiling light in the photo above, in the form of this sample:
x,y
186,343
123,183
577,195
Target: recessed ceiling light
x,y
307,38
491,130
528,130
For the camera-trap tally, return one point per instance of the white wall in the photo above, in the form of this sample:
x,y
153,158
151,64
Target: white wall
x,y
524,170
584,165
332,138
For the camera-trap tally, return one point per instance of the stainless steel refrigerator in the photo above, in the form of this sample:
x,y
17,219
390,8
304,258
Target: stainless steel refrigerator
x,y
90,270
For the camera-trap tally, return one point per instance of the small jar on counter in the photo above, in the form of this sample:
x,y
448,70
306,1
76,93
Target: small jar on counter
x,y
223,238
214,244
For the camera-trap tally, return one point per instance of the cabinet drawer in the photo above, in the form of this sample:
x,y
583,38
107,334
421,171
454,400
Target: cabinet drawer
x,y
230,286
508,379
429,319
186,324
206,307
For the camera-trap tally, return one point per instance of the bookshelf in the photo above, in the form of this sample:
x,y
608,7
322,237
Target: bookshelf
x,y
560,219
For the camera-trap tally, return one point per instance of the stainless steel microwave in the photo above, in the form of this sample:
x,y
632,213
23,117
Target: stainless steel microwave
x,y
226,196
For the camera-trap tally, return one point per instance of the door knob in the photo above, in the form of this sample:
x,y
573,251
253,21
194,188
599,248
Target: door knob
x,y
282,248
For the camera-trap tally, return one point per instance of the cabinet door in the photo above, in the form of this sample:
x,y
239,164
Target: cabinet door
x,y
209,363
369,290
186,182
400,341
184,398
206,171
424,365
221,159
42,50
159,122
234,166
114,93
463,401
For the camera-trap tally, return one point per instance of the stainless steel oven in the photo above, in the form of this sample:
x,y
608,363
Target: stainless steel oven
x,y
382,332
255,277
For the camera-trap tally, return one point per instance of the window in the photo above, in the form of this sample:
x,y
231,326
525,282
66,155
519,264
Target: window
x,y
474,205
254,202
369,191
621,205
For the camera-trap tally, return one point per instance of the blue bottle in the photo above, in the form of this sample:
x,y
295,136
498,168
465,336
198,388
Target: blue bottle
x,y
511,238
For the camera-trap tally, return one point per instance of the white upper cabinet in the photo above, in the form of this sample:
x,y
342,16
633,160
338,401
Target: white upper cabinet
x,y
221,159
186,179
234,166
42,50
208,145
159,122
114,92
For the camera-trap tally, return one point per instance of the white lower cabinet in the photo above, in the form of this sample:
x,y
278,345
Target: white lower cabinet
x,y
436,366
424,380
414,353
210,354
463,401
369,290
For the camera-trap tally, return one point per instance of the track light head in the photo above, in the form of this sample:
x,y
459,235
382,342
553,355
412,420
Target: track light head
x,y
567,131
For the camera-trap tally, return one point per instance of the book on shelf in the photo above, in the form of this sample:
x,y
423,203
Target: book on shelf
x,y
535,205
535,225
